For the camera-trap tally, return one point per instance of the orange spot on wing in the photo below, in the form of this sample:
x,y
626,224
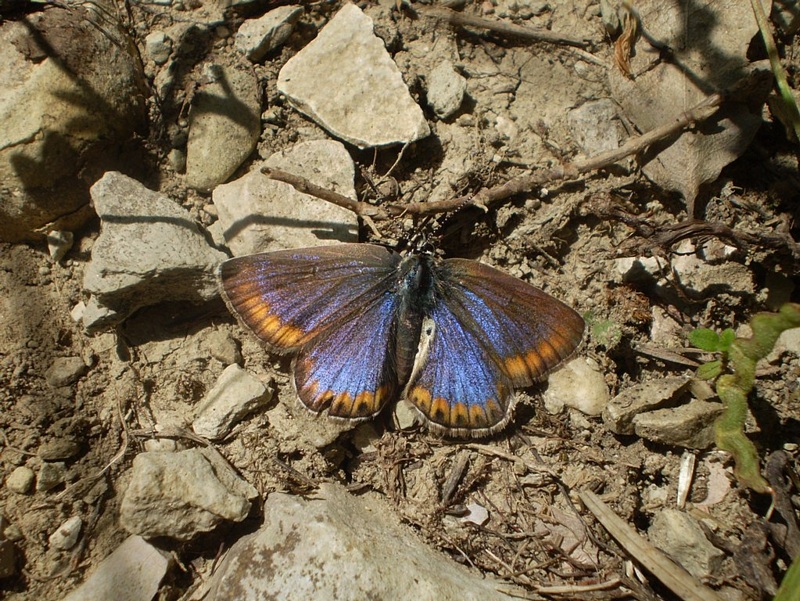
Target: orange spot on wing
x,y
477,417
440,411
421,399
459,415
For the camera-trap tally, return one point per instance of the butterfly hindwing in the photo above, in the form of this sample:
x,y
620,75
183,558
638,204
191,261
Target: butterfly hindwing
x,y
334,306
492,333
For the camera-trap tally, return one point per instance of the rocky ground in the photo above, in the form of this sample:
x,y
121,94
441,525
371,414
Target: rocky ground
x,y
151,446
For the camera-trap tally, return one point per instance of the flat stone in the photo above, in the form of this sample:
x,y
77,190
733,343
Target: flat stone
x,y
182,494
65,537
236,394
355,548
596,127
224,348
578,384
446,88
690,425
51,474
59,244
258,37
346,81
620,411
65,371
21,480
258,214
224,125
158,46
59,449
149,251
133,572
681,537
700,277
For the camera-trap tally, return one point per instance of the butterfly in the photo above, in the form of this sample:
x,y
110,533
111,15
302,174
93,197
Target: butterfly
x,y
369,325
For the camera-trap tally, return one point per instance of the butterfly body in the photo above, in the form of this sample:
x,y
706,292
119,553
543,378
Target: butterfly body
x,y
454,337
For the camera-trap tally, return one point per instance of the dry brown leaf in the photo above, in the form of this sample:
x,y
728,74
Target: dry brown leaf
x,y
706,44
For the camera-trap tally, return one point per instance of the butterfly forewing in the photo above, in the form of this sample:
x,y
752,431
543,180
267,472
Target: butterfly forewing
x,y
288,297
332,304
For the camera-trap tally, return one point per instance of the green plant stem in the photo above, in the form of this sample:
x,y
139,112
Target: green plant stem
x,y
733,389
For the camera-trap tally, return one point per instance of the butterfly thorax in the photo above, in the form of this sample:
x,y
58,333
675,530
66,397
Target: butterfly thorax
x,y
416,294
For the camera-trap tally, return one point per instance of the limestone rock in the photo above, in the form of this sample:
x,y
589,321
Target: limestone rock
x,y
149,251
346,81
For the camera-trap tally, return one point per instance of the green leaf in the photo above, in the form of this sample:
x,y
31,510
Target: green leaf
x,y
705,339
726,338
710,370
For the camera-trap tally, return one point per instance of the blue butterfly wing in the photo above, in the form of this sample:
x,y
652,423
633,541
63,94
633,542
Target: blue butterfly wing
x,y
335,305
491,333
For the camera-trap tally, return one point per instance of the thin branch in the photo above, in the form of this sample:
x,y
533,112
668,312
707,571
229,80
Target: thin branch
x,y
502,28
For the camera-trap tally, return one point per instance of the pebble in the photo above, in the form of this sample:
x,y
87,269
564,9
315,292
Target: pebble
x,y
222,134
446,88
149,250
690,425
51,474
620,411
65,537
681,537
405,416
182,494
224,348
236,394
133,572
595,126
65,371
346,81
58,449
158,46
578,384
258,37
59,244
21,480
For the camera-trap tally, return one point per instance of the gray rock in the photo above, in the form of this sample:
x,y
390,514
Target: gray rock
x,y
224,125
620,411
51,474
59,244
65,371
236,394
258,214
158,46
446,88
346,81
700,277
61,119
578,384
149,251
354,547
405,416
680,536
304,428
258,37
58,449
595,126
132,572
224,348
65,537
690,425
21,480
181,494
